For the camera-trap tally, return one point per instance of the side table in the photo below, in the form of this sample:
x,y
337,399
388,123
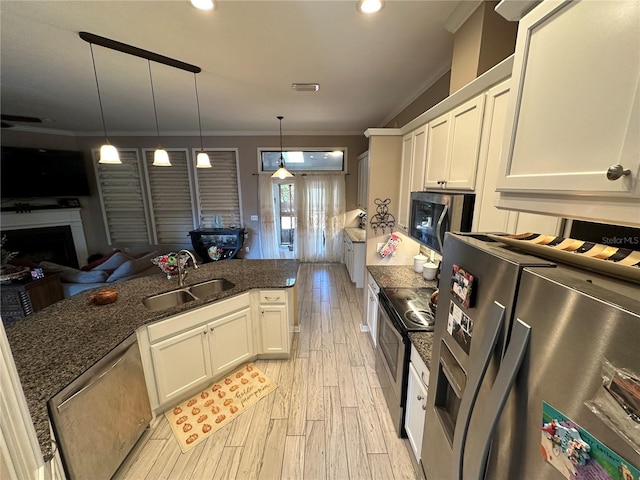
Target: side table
x,y
24,298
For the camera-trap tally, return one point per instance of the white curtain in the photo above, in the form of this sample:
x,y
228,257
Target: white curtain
x,y
269,244
320,214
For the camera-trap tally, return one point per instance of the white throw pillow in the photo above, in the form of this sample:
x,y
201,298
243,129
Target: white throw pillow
x,y
133,267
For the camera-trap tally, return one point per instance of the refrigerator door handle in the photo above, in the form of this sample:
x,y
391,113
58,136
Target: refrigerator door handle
x,y
510,367
480,363
443,215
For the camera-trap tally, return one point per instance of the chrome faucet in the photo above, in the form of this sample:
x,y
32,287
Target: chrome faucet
x,y
182,272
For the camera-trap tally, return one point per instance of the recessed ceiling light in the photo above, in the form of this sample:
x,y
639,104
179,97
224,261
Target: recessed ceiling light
x,y
305,87
369,6
203,4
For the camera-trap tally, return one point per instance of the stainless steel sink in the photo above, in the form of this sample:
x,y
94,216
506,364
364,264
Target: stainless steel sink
x,y
211,287
166,300
174,298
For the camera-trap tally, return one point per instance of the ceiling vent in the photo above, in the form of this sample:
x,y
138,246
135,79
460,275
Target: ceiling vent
x,y
305,87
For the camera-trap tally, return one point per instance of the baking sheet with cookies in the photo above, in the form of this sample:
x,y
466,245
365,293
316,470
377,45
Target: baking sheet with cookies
x,y
195,419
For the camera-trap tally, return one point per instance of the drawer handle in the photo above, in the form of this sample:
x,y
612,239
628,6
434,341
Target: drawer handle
x,y
272,299
426,382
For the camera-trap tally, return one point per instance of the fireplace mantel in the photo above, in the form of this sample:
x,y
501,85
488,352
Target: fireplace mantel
x,y
50,218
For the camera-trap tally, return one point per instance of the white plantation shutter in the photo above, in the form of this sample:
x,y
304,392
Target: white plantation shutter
x,y
218,187
123,202
170,198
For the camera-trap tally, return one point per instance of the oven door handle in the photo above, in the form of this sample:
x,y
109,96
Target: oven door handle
x,y
443,215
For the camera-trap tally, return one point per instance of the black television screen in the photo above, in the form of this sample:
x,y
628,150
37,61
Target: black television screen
x,y
35,172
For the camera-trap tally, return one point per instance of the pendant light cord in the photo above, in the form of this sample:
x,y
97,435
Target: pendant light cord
x,y
280,117
153,96
95,73
195,82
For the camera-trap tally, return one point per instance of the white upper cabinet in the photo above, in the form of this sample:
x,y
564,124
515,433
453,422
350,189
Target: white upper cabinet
x,y
419,158
405,181
363,180
454,144
575,112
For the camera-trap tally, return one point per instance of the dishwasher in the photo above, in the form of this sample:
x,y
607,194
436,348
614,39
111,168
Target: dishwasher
x,y
98,418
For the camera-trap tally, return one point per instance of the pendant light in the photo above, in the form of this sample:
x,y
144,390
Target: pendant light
x,y
108,153
202,159
160,156
282,172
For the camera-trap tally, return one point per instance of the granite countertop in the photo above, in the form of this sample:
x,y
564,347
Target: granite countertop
x,y
404,276
356,235
56,345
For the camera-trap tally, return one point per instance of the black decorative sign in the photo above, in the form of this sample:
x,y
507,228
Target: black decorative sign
x,y
382,219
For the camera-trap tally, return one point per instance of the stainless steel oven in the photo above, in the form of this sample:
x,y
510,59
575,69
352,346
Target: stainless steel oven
x,y
391,357
401,310
435,213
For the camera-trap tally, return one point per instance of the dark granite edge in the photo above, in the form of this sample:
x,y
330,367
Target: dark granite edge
x,y
53,347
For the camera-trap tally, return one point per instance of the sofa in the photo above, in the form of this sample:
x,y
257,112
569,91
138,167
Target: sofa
x,y
101,272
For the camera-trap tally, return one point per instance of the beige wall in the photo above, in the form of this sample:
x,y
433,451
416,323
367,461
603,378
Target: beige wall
x,y
248,166
482,42
432,96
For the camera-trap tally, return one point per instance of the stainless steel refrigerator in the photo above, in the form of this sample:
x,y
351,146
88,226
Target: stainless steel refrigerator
x,y
522,350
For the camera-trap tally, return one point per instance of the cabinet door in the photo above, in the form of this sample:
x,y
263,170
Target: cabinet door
x,y
419,158
437,152
466,126
415,414
576,104
372,315
230,341
405,182
274,326
180,363
363,181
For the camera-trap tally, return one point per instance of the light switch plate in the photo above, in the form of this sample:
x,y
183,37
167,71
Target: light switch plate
x,y
254,218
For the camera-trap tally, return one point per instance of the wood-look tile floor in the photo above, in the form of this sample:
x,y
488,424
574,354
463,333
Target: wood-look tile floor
x,y
327,419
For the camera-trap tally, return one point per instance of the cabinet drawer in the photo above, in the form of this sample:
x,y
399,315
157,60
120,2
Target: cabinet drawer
x,y
193,318
373,285
421,368
273,297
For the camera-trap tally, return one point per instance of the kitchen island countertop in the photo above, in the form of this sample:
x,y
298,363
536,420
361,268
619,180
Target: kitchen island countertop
x,y
404,276
56,345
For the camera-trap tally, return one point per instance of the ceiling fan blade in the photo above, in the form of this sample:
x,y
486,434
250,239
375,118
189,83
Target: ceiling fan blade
x,y
20,118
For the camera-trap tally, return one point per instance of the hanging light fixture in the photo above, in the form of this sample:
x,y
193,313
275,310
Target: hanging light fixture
x,y
202,159
282,172
108,153
160,156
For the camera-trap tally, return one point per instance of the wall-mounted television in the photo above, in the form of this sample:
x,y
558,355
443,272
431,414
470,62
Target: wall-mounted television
x,y
36,172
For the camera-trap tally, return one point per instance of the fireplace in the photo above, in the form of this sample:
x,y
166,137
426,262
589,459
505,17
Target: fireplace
x,y
53,235
53,244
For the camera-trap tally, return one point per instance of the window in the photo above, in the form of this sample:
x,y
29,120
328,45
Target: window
x,y
143,204
218,192
285,206
123,202
304,160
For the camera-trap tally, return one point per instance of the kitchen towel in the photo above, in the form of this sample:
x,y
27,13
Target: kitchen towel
x,y
203,414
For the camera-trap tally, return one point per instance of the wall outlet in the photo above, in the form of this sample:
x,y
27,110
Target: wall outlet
x,y
246,249
254,218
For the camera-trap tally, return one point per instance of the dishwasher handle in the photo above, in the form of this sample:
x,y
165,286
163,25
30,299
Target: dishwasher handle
x,y
94,379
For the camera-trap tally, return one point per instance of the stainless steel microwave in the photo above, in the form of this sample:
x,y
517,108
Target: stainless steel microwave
x,y
434,213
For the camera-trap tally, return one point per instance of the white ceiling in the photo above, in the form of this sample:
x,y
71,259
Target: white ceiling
x,y
369,67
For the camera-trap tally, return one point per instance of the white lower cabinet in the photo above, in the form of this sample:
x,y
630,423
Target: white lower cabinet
x,y
230,341
354,260
181,362
276,323
183,353
371,308
416,402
